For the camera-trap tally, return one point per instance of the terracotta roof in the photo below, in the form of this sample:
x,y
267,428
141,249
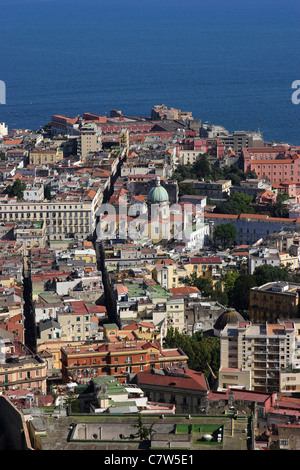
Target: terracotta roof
x,y
246,395
206,260
185,290
222,216
190,380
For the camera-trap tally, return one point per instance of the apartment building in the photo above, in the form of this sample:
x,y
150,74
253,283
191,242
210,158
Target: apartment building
x,y
65,216
260,256
168,273
274,164
189,152
252,356
20,368
41,156
241,139
34,193
30,234
204,266
219,189
273,301
252,227
175,314
116,359
89,141
64,125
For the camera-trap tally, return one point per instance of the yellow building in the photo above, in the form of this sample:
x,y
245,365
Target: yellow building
x,y
44,157
289,261
273,301
124,140
169,274
175,313
87,255
204,266
7,281
144,330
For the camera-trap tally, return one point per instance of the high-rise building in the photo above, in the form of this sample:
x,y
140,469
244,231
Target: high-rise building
x,y
253,356
89,141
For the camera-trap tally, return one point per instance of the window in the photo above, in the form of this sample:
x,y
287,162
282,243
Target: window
x,y
284,442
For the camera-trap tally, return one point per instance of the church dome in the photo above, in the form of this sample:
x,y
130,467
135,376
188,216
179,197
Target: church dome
x,y
158,193
228,317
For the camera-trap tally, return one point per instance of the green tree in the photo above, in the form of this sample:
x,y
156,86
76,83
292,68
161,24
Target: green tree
x,y
200,350
204,284
47,192
143,432
239,296
251,175
280,210
71,401
16,190
201,167
268,273
226,233
238,203
229,279
183,172
187,188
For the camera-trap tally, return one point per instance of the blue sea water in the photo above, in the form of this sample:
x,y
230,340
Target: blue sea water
x,y
230,62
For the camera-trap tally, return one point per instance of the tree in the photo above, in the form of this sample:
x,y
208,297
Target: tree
x,y
202,167
280,210
229,279
200,350
47,192
204,284
16,190
239,296
71,401
143,432
268,273
183,172
251,175
238,203
187,188
226,233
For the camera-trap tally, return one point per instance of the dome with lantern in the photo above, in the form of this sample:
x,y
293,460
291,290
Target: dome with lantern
x,y
158,193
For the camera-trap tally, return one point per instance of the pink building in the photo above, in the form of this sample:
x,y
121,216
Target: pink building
x,y
275,164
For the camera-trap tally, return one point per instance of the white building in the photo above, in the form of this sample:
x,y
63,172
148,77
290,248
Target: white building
x,y
261,256
34,193
253,356
3,129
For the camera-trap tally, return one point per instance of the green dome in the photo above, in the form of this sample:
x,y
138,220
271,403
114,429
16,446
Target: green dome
x,y
158,193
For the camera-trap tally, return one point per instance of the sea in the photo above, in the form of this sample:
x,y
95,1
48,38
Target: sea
x,y
230,62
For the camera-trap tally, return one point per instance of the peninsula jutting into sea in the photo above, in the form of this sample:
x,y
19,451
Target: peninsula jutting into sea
x,y
150,284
